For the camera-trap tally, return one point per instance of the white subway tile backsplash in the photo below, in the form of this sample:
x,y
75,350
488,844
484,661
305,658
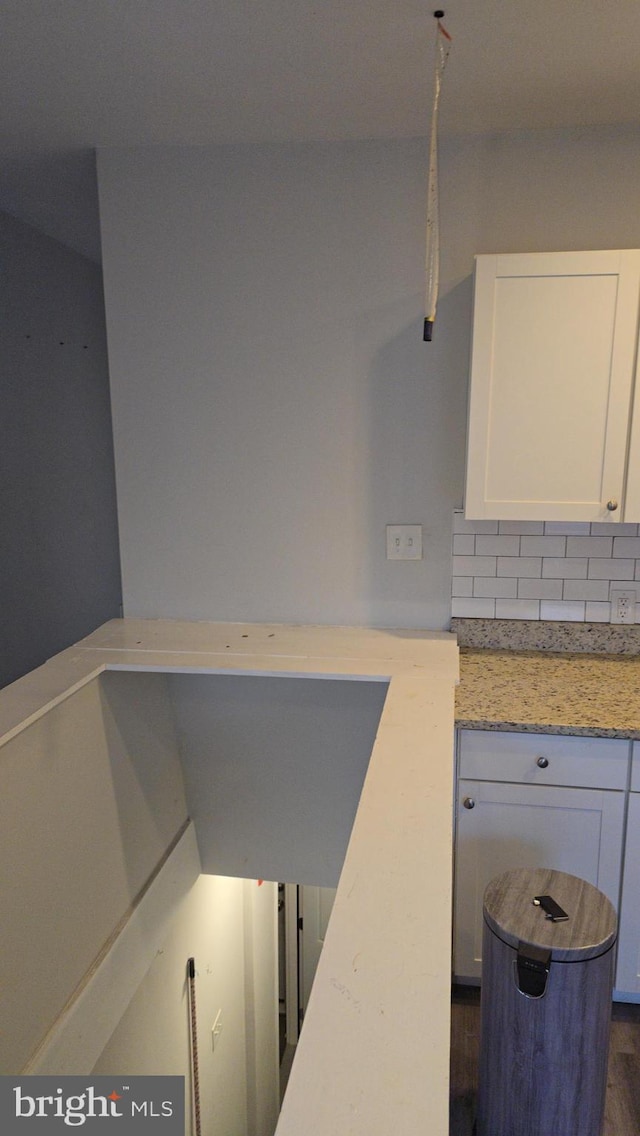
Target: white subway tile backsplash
x,y
474,565
586,590
552,570
597,612
498,545
601,569
473,609
567,528
610,528
589,545
461,525
573,611
558,567
622,585
514,528
519,565
517,609
540,589
462,586
543,545
464,544
626,546
495,587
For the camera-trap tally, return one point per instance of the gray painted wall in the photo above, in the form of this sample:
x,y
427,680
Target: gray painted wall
x,y
59,562
274,405
93,795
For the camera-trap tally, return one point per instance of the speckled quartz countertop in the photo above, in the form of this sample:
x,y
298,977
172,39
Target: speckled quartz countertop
x,y
545,690
549,693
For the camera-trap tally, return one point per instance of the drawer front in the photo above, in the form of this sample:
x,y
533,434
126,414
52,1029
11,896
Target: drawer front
x,y
544,759
635,768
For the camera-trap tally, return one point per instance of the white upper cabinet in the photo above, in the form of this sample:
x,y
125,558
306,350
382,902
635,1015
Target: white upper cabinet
x,y
552,379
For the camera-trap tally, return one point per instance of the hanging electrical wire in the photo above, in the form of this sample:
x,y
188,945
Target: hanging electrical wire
x,y
443,46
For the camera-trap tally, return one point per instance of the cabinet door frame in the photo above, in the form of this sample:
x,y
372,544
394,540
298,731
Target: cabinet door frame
x,y
632,485
621,263
568,759
469,887
628,972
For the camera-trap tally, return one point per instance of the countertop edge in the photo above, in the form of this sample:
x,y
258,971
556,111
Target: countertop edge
x,y
519,727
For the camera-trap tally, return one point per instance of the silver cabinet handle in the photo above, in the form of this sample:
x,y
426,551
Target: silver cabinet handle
x,y
469,803
612,506
543,762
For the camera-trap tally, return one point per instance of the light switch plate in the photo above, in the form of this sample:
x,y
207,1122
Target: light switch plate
x,y
404,542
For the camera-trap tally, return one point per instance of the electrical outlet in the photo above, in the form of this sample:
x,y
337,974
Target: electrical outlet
x,y
623,605
216,1030
404,542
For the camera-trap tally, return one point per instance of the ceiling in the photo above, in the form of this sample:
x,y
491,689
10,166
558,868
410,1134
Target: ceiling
x,y
77,74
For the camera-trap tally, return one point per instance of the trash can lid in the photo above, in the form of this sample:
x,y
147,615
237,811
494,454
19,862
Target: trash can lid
x,y
511,914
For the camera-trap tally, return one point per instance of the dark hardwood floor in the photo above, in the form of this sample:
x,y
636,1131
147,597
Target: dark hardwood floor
x,y
622,1109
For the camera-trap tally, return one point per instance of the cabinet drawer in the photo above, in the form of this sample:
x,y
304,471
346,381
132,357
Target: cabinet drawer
x,y
635,768
544,759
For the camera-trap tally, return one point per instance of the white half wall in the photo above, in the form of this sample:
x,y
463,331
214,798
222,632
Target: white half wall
x,y
91,800
80,1034
273,770
92,787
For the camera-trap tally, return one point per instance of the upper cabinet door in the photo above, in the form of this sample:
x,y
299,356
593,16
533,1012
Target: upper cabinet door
x,y
552,367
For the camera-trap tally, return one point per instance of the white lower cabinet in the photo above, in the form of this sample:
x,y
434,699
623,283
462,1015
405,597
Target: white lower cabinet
x,y
542,817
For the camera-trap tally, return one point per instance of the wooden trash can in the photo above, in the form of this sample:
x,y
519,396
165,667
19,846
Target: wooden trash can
x,y
545,1006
